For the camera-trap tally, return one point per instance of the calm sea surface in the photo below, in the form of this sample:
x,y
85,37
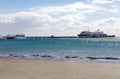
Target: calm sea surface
x,y
74,48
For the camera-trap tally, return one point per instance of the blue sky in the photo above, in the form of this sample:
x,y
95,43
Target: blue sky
x,y
59,17
21,4
9,6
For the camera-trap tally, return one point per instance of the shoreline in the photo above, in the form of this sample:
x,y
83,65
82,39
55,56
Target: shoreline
x,y
75,58
51,69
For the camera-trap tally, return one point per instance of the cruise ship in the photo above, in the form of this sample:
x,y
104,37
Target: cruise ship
x,y
96,34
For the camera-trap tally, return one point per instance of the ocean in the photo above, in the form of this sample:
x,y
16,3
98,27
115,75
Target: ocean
x,y
75,49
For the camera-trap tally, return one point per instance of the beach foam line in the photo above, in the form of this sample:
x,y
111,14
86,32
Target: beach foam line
x,y
106,58
67,57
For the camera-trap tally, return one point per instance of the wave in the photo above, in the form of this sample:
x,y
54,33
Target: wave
x,y
45,56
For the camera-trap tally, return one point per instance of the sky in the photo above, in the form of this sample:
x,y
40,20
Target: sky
x,y
59,17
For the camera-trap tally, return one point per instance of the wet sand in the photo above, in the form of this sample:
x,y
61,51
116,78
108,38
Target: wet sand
x,y
53,69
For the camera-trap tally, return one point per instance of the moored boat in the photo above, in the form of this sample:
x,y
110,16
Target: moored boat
x,y
20,36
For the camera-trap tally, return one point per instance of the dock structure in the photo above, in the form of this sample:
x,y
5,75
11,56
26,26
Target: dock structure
x,y
39,37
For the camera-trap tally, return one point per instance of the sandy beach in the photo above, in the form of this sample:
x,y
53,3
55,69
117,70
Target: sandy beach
x,y
52,69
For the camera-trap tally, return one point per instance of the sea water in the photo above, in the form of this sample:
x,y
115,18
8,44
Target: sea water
x,y
98,49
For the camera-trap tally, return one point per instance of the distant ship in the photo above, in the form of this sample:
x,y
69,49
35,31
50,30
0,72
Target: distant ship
x,y
96,34
9,37
20,36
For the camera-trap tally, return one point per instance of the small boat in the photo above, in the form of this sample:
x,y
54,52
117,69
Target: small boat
x,y
9,37
20,36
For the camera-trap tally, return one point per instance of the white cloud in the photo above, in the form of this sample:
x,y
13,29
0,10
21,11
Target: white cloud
x,y
6,18
110,25
69,8
102,1
61,20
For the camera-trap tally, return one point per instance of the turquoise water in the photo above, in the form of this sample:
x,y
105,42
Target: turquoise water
x,y
61,47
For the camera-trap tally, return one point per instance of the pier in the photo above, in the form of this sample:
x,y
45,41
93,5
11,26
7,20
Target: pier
x,y
39,37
